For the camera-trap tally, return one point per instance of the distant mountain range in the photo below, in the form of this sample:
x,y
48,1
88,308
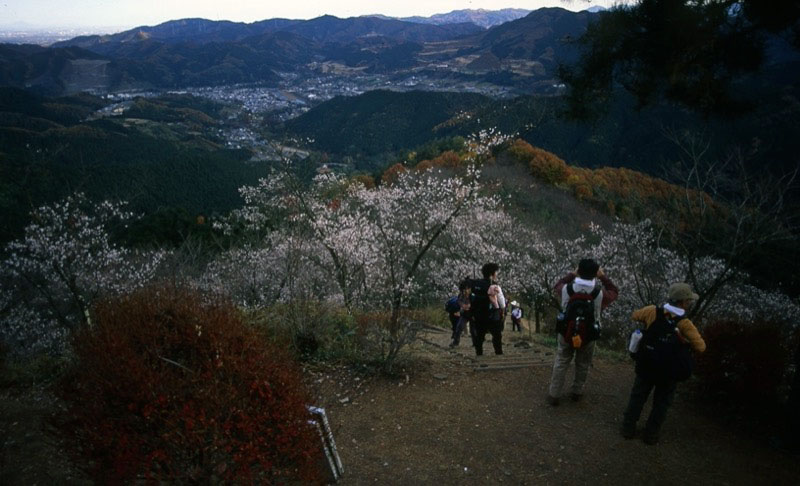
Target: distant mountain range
x,y
195,52
480,17
321,29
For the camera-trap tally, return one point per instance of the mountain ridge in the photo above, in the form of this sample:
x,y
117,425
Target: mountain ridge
x,y
326,28
195,52
480,17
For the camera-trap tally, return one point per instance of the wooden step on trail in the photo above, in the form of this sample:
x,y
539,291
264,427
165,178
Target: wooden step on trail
x,y
515,357
510,362
425,327
509,366
489,358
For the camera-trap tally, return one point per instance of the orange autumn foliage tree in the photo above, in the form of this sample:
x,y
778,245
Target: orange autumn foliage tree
x,y
544,165
616,190
447,160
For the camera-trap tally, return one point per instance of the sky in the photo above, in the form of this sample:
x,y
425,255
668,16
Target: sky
x,y
134,13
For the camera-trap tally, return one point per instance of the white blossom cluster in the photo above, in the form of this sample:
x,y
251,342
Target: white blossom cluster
x,y
65,260
371,243
26,331
482,142
281,269
341,241
644,270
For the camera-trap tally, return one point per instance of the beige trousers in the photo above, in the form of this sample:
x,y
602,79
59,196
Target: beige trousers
x,y
564,355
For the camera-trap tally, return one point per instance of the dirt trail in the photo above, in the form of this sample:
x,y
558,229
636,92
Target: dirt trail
x,y
447,423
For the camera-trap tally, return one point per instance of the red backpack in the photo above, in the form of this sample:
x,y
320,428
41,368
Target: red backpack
x,y
577,323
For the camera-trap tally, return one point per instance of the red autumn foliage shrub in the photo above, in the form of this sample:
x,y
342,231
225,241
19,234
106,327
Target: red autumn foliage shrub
x,y
171,387
744,365
365,180
391,174
424,165
448,159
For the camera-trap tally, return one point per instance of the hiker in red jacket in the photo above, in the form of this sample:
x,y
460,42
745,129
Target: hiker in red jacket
x,y
588,283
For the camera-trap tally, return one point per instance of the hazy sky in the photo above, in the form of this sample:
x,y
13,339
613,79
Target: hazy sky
x,y
132,13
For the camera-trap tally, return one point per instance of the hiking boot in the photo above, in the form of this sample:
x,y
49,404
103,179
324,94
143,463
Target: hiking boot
x,y
576,397
552,400
650,438
628,431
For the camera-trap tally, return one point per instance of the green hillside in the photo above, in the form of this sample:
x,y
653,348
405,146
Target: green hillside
x,y
46,153
381,122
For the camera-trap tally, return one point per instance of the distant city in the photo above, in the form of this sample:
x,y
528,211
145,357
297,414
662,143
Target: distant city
x,y
46,37
296,95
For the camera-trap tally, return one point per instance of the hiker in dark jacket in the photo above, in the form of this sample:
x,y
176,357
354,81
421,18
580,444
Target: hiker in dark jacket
x,y
453,313
487,317
588,278
464,315
681,299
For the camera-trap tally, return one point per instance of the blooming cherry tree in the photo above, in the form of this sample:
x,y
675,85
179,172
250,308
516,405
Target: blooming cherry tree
x,y
483,142
67,259
316,212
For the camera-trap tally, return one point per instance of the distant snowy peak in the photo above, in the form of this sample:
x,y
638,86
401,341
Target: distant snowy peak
x,y
596,8
480,17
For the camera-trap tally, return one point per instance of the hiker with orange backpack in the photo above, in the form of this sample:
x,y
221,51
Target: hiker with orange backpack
x,y
583,295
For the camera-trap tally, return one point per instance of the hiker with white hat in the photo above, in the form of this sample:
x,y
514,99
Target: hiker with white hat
x,y
516,316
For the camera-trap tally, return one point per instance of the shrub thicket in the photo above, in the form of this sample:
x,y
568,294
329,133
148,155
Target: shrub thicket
x,y
744,367
170,387
312,330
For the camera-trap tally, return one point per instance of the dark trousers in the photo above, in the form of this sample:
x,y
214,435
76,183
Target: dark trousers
x,y
495,328
662,399
459,328
454,325
515,325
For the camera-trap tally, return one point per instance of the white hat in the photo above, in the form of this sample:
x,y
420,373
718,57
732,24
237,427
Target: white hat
x,y
514,302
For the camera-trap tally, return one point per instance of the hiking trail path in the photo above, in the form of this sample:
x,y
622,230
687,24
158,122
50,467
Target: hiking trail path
x,y
460,419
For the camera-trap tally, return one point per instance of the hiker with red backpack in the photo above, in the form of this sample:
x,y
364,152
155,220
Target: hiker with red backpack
x,y
583,295
663,358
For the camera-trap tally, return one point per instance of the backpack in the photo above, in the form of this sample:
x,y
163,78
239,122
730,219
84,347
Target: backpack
x,y
452,306
662,354
481,306
577,323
